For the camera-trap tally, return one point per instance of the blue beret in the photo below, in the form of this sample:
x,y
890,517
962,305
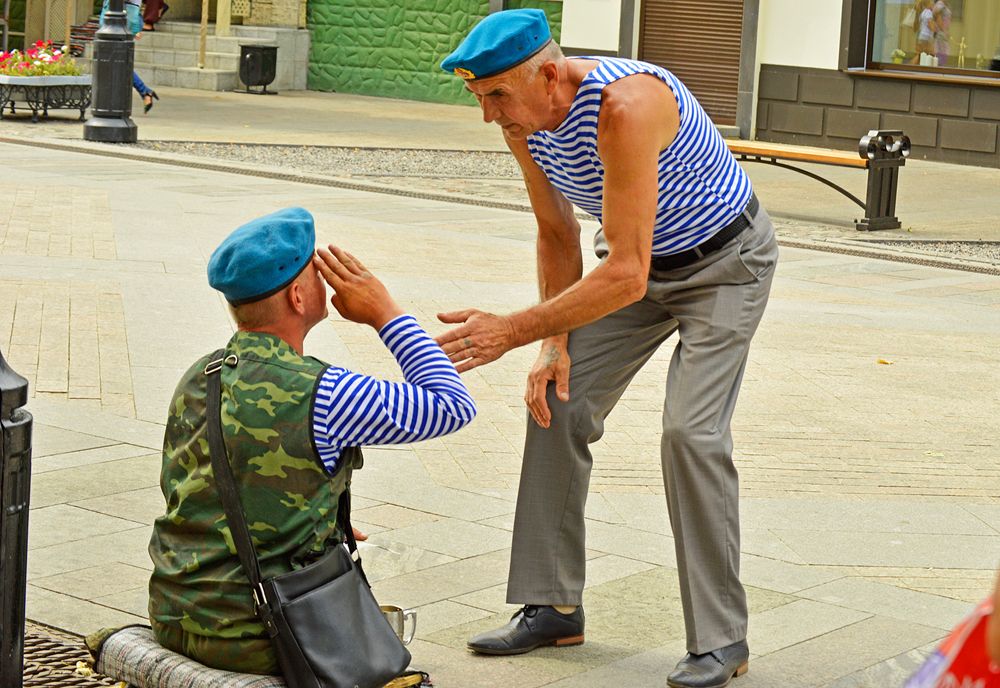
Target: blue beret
x,y
500,41
263,256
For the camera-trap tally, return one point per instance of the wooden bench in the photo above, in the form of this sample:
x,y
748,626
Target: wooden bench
x,y
882,153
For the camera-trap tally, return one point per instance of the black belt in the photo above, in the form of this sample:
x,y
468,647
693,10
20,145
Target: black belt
x,y
710,245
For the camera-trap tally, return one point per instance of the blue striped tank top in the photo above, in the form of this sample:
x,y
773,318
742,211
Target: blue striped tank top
x,y
702,187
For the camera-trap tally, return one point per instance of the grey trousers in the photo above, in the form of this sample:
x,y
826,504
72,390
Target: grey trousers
x,y
714,305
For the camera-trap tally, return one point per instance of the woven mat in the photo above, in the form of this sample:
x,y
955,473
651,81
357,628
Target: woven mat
x,y
50,660
54,658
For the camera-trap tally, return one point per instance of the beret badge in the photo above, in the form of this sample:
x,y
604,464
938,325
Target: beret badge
x,y
464,73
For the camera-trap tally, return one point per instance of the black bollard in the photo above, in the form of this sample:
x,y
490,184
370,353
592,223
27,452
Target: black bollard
x,y
15,485
886,151
111,120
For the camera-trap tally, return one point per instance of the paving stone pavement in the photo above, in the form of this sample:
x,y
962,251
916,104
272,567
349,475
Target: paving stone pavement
x,y
865,434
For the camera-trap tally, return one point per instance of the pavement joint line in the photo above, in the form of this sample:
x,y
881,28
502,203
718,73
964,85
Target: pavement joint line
x,y
827,246
328,145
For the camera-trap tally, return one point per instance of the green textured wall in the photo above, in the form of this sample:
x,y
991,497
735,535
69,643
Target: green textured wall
x,y
382,48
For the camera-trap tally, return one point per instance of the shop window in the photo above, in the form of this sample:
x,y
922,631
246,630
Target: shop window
x,y
947,36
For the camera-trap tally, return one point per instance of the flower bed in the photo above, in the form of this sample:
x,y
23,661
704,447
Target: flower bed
x,y
47,79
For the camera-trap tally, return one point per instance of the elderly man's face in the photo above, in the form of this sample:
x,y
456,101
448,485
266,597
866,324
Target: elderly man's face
x,y
516,102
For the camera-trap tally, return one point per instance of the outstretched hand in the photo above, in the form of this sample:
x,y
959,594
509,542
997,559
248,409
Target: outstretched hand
x,y
357,294
480,339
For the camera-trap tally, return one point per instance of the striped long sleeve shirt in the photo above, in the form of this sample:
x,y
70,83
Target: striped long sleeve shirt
x,y
353,410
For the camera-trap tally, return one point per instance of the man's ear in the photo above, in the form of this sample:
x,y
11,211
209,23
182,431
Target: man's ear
x,y
550,71
296,299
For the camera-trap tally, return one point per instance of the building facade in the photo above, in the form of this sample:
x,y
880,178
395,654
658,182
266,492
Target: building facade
x,y
394,49
821,72
931,69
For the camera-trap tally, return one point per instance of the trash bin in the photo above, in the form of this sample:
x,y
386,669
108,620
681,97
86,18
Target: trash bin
x,y
258,65
15,486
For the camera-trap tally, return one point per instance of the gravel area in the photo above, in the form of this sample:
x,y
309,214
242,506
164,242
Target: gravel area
x,y
494,176
988,251
355,162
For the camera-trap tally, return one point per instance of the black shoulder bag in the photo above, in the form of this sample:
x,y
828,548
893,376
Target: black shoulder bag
x,y
325,625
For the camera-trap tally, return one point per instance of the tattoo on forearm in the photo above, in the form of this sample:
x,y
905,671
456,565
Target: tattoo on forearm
x,y
551,356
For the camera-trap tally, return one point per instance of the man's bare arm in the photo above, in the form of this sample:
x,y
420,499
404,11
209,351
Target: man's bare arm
x,y
560,264
638,119
560,260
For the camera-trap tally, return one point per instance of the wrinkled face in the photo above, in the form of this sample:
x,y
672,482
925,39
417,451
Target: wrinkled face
x,y
517,103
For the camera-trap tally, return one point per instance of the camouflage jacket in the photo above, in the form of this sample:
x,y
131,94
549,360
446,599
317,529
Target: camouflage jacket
x,y
289,498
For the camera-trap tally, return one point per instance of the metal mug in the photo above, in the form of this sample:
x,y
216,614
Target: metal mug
x,y
397,616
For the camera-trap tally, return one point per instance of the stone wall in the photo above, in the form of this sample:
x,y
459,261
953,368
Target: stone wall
x,y
282,13
949,122
394,49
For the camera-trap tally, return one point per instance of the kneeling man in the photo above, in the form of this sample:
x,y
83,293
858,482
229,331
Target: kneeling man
x,y
292,426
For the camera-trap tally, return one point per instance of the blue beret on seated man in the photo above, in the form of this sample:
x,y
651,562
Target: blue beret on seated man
x,y
501,41
293,426
263,256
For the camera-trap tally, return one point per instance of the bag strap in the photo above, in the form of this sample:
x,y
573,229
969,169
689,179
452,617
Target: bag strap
x,y
224,481
230,496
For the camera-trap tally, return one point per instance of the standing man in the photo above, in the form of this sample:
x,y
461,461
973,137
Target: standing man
x,y
684,247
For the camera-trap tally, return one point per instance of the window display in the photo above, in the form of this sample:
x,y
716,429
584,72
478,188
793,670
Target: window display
x,y
937,35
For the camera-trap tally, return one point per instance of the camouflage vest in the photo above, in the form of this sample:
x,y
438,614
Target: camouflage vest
x,y
289,499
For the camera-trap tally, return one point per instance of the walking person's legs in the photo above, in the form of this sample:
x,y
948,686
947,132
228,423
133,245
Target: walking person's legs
x,y
138,84
147,94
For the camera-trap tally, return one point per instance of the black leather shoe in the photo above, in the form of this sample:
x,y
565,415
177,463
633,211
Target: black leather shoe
x,y
531,626
713,669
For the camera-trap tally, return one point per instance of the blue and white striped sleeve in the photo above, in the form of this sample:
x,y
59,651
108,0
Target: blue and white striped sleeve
x,y
352,409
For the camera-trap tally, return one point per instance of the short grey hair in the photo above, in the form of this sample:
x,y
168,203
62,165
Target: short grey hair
x,y
550,52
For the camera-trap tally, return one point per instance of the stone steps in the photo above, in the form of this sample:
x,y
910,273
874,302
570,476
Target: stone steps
x,y
187,58
187,42
169,56
188,77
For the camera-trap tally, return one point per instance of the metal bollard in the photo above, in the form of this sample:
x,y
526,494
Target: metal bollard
x,y
15,486
886,151
112,93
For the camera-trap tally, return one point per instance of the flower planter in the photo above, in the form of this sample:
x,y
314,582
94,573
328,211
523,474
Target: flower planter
x,y
44,93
